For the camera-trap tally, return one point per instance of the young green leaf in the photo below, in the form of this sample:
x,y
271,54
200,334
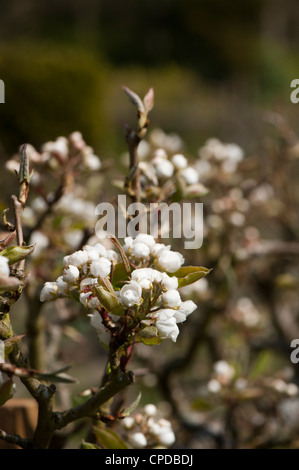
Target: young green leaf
x,y
189,274
109,439
17,253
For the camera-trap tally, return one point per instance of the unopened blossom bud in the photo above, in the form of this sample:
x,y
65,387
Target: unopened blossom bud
x,y
78,259
167,438
71,274
140,250
170,261
190,175
146,239
128,422
164,169
92,162
138,440
166,324
168,282
130,294
150,410
179,161
62,286
49,291
171,299
100,267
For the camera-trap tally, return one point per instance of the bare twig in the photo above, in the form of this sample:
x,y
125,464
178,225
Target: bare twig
x,y
15,439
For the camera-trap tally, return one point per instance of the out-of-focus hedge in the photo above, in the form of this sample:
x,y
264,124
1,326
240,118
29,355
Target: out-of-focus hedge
x,y
51,90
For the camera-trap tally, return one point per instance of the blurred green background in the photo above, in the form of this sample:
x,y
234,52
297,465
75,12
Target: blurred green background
x,y
216,65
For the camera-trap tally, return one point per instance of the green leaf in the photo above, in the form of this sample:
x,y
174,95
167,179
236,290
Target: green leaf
x,y
149,336
75,294
189,274
119,274
109,439
133,406
17,253
88,445
10,342
109,301
6,391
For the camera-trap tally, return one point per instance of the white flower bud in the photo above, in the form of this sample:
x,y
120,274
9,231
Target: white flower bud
x,y
138,440
149,274
170,261
168,282
171,299
146,239
128,422
179,161
128,242
158,248
164,169
49,292
4,266
167,438
150,410
100,267
214,386
140,250
166,324
92,162
71,274
62,286
190,175
78,259
130,294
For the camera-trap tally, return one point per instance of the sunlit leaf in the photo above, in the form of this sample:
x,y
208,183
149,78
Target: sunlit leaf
x,y
149,336
17,253
189,274
88,445
109,439
119,274
133,406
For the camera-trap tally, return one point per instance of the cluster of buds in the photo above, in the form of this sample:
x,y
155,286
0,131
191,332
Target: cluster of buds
x,y
148,429
147,292
215,155
56,153
165,171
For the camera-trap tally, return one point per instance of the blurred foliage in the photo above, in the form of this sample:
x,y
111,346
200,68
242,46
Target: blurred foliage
x,y
50,91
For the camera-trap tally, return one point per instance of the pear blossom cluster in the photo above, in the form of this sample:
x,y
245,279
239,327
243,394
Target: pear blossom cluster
x,y
165,169
150,293
225,156
55,153
149,429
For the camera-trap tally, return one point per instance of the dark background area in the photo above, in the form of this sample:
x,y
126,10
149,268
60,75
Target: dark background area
x,y
215,65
